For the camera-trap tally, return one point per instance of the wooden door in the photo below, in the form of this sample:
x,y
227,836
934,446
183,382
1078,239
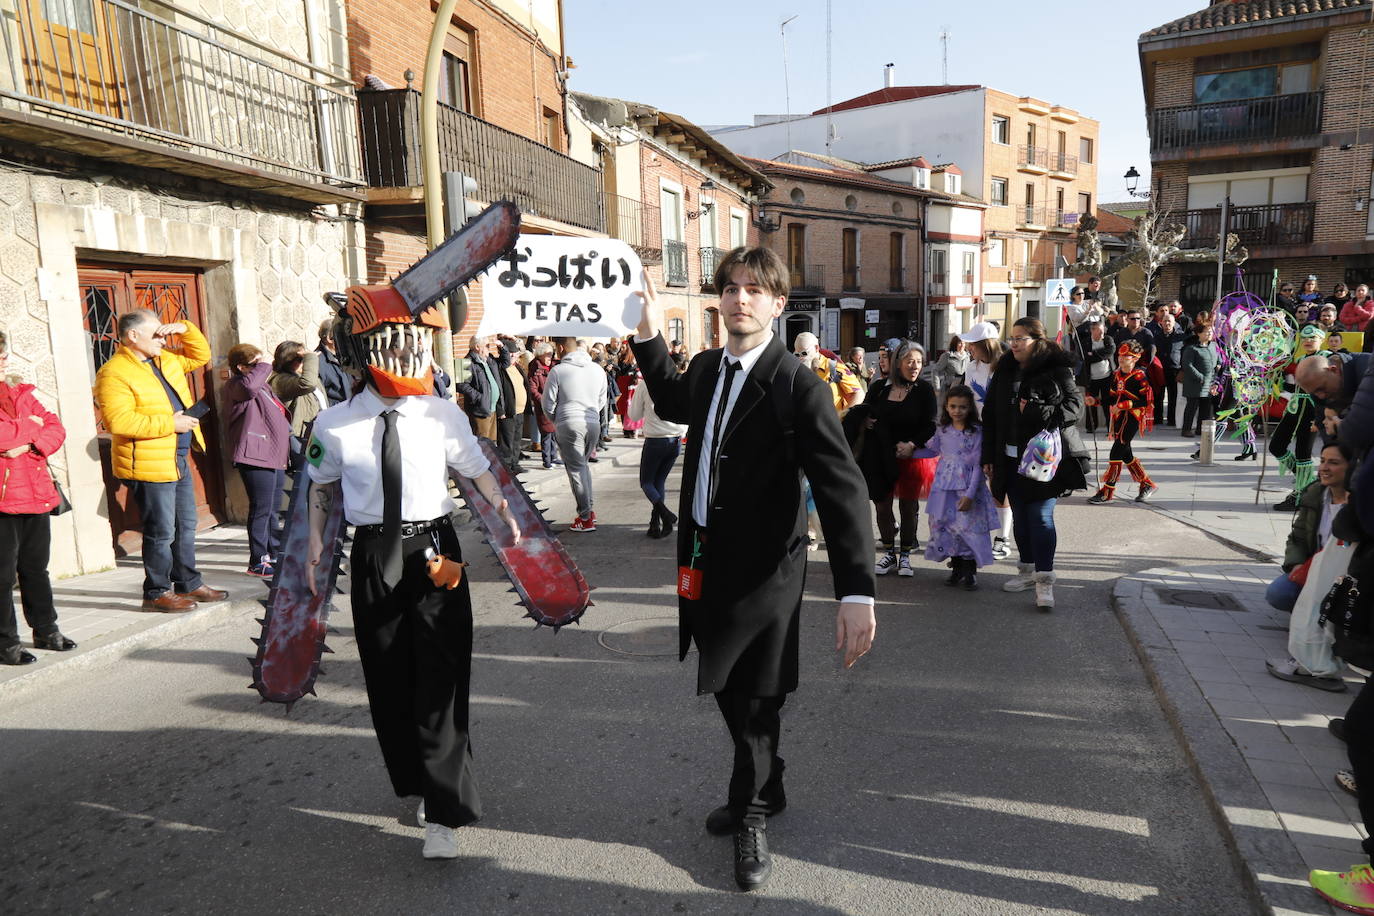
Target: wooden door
x,y
175,295
69,54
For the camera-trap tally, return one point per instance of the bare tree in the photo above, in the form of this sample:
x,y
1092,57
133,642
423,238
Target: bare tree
x,y
1152,244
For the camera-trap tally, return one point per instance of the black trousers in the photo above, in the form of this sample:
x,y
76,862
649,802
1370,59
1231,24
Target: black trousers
x,y
508,441
756,779
24,545
1167,392
416,647
1197,410
1359,744
1099,389
1121,446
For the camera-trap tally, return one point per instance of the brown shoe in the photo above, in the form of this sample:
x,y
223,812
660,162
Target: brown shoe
x,y
168,603
205,593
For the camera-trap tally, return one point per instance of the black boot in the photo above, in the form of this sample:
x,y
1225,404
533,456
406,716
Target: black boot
x,y
956,571
668,518
655,525
970,574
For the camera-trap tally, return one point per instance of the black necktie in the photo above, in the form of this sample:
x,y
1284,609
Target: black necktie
x,y
391,501
718,431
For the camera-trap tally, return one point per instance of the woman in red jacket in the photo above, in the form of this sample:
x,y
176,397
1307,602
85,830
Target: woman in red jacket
x,y
29,433
535,381
260,434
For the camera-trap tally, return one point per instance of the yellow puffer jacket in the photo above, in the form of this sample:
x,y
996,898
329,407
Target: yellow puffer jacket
x,y
138,413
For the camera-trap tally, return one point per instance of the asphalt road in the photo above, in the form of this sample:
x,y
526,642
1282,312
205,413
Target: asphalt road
x,y
985,759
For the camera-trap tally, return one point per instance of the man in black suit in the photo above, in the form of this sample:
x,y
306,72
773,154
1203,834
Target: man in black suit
x,y
756,424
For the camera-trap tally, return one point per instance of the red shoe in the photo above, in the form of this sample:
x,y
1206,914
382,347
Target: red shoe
x,y
583,524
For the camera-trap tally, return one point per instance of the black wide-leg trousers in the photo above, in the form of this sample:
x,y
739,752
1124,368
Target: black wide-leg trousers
x,y
755,723
415,642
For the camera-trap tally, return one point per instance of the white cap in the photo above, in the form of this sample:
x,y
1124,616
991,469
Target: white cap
x,y
983,330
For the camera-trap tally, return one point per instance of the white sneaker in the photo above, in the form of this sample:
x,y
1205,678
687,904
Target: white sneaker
x,y
1000,548
420,814
1044,591
904,566
440,842
1023,580
886,564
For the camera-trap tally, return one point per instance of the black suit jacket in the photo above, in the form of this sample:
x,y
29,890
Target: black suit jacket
x,y
745,624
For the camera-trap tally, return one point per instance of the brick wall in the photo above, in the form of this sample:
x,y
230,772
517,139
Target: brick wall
x,y
514,77
1173,82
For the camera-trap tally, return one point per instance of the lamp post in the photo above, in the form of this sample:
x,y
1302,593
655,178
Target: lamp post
x,y
1132,182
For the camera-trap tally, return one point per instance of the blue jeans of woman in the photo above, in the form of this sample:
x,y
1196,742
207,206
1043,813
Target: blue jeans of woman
x,y
264,486
655,464
1032,522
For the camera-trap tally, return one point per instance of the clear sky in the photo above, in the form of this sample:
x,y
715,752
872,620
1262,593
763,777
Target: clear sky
x,y
720,61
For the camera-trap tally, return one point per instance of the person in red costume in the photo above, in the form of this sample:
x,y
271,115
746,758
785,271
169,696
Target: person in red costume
x,y
1132,411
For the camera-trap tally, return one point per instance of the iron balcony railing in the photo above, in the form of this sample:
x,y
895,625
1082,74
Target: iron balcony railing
x,y
938,286
1269,117
1063,164
634,222
192,85
674,262
1031,215
1029,273
1032,157
896,281
1273,224
710,257
808,277
506,166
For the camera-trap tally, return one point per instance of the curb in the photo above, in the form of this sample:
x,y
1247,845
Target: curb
x,y
102,653
1253,553
1263,850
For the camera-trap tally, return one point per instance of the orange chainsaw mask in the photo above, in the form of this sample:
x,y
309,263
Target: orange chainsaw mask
x,y
376,337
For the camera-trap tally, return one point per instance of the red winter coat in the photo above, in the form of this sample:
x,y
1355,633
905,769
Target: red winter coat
x,y
26,486
536,380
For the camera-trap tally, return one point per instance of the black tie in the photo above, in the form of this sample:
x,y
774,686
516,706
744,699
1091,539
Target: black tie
x,y
391,501
718,431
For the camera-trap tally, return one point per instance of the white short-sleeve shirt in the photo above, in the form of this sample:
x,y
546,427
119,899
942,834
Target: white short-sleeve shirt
x,y
346,446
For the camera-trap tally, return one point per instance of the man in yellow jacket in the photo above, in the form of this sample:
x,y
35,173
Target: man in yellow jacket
x,y
143,397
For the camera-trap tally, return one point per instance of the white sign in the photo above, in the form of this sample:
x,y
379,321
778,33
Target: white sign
x,y
851,302
560,286
1057,291
870,316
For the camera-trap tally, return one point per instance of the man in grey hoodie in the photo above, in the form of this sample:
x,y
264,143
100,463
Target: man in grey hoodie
x,y
574,396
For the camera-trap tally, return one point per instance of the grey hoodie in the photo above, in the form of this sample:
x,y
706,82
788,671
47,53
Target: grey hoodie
x,y
576,390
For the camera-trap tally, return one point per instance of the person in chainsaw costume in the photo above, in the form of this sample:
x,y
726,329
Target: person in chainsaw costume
x,y
391,447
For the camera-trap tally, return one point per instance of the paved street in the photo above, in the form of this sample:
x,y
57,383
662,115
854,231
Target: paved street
x,y
983,759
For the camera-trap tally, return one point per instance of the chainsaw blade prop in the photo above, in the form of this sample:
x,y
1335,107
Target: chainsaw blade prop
x,y
551,587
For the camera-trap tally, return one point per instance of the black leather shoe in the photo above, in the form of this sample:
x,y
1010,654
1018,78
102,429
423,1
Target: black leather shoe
x,y
53,642
14,655
1337,728
723,821
753,862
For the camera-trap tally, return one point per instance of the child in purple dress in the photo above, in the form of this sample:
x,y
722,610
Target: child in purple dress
x,y
963,516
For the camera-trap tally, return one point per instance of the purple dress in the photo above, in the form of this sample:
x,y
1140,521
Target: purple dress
x,y
960,473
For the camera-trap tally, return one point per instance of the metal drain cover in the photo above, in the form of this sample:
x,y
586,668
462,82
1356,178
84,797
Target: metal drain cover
x,y
1198,598
647,637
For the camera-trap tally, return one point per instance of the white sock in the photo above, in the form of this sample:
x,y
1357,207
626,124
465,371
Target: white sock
x,y
1005,514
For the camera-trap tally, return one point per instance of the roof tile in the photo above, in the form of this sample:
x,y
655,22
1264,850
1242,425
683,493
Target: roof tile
x,y
1240,12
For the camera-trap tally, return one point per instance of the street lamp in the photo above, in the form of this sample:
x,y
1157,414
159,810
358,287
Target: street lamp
x,y
1132,182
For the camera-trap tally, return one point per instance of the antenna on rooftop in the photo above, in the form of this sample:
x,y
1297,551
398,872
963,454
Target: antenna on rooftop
x,y
829,126
944,53
786,86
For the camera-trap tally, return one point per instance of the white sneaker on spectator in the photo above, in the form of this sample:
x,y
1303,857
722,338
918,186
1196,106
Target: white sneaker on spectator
x,y
420,814
440,842
904,566
1000,548
886,564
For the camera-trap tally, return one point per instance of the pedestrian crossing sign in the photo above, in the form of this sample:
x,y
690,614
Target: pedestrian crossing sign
x,y
1057,291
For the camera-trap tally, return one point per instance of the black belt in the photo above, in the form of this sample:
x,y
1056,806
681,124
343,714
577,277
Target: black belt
x,y
408,529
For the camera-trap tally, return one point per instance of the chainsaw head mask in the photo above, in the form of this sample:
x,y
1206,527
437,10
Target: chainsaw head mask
x,y
377,339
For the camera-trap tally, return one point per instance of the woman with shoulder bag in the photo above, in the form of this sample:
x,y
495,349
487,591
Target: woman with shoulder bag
x,y
260,435
29,433
1033,391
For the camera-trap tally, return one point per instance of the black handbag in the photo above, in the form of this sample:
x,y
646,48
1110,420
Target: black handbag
x,y
1349,614
63,504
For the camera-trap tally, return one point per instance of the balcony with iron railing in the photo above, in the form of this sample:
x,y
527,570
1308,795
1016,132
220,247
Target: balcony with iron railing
x,y
1183,128
634,222
191,96
505,165
1062,165
1033,159
939,285
1273,224
808,278
1031,216
674,262
1028,273
710,257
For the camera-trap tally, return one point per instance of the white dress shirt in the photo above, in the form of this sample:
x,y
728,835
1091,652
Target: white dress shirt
x,y
434,434
701,496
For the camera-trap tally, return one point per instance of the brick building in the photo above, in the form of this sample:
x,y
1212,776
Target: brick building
x,y
134,174
677,196
502,123
1031,162
1268,103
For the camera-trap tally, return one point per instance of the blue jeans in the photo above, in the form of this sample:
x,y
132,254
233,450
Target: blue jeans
x,y
264,486
1032,522
1282,593
169,532
655,464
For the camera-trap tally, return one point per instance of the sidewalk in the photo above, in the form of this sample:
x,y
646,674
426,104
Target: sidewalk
x,y
1259,745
